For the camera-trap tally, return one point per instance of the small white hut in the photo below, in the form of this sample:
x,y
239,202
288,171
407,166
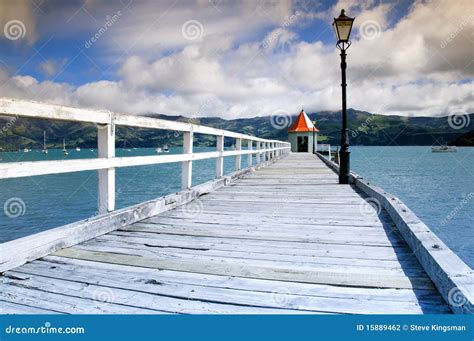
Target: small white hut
x,y
302,133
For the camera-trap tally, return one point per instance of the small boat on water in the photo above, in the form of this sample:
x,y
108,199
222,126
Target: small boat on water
x,y
444,149
65,152
159,150
45,149
26,150
166,149
78,149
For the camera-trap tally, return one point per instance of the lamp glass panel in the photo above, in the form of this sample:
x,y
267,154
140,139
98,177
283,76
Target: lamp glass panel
x,y
343,29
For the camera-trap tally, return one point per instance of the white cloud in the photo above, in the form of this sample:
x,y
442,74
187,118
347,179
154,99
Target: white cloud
x,y
230,72
51,67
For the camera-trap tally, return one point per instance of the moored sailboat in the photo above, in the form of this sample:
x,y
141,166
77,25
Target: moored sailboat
x,y
45,149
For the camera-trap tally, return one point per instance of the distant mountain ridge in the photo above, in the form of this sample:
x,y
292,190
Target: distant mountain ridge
x,y
364,129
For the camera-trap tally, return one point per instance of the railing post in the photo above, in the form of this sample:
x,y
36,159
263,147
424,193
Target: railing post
x,y
187,167
238,158
250,156
258,153
220,159
267,144
106,186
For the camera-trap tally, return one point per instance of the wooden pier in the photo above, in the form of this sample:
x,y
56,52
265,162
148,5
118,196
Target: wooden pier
x,y
281,237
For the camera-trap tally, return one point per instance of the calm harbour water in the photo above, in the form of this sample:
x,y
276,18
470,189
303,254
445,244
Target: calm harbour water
x,y
438,187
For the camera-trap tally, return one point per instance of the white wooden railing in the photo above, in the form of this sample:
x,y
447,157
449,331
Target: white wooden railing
x,y
106,162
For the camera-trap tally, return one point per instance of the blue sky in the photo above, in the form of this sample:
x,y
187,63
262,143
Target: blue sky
x,y
239,58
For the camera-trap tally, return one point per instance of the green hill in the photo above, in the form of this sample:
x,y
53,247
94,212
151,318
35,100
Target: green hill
x,y
466,139
364,129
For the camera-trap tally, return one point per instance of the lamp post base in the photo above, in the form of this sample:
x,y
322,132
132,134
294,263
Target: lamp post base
x,y
344,166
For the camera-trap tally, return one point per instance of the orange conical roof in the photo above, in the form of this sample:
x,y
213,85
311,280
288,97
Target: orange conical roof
x,y
302,124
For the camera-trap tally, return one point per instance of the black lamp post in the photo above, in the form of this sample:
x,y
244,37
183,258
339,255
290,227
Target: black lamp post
x,y
342,26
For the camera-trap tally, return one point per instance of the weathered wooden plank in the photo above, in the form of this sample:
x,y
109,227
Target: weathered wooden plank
x,y
133,301
282,220
282,248
16,293
268,227
378,240
315,264
14,308
109,245
275,273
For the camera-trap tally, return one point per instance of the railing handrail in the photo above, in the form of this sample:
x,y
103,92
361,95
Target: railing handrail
x,y
33,109
106,162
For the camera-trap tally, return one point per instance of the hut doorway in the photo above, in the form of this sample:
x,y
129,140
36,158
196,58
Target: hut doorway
x,y
302,144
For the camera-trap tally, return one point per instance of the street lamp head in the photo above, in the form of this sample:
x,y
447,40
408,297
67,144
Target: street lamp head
x,y
342,27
